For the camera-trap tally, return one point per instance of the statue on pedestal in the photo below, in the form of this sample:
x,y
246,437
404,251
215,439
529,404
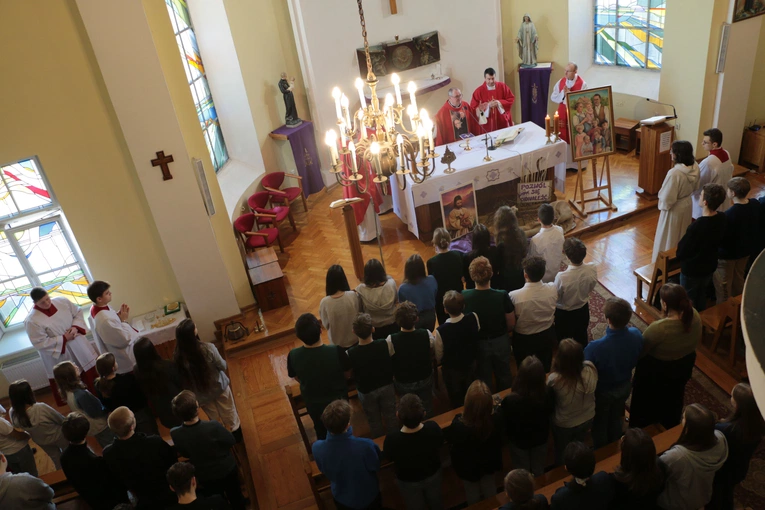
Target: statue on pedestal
x,y
286,87
527,42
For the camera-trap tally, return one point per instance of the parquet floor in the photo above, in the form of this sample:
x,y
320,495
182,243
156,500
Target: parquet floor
x,y
259,373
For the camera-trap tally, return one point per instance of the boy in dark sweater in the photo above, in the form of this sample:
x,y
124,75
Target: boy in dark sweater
x,y
207,444
181,479
457,338
697,250
739,242
593,492
319,368
412,356
373,372
86,471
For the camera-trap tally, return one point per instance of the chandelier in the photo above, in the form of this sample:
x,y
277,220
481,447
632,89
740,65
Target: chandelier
x,y
380,137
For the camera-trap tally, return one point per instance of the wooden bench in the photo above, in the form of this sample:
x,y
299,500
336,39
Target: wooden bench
x,y
663,441
62,489
654,276
299,410
717,318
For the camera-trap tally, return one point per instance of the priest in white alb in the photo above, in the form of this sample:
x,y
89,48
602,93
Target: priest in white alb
x,y
57,330
717,168
111,329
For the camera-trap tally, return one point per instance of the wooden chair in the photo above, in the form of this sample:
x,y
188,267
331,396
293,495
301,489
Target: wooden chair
x,y
718,318
245,225
272,183
258,204
655,275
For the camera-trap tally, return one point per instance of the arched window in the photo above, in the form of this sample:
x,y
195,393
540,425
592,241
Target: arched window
x,y
195,74
629,33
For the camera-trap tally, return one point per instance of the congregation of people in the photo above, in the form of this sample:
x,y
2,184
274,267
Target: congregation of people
x,y
527,301
134,388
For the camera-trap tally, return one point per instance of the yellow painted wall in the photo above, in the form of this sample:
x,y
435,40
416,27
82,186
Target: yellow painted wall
x,y
167,49
265,46
551,21
756,107
706,119
53,104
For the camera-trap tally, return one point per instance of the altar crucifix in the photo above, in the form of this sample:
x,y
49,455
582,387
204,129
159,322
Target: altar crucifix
x,y
163,162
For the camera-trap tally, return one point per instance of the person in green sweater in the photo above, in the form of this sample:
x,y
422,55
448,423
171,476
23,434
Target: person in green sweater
x,y
669,353
319,368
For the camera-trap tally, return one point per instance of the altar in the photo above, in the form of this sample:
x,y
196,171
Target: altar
x,y
494,181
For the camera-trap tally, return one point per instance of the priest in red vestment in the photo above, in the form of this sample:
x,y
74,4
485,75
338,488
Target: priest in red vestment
x,y
454,121
492,101
571,82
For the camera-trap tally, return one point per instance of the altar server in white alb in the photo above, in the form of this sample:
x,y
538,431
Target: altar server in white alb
x,y
675,198
717,168
57,330
112,331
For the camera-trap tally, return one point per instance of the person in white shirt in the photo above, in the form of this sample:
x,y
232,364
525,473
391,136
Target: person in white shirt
x,y
548,242
534,309
572,315
717,168
57,330
111,329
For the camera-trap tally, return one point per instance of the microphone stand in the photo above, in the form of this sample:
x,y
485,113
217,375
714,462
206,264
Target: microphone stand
x,y
674,111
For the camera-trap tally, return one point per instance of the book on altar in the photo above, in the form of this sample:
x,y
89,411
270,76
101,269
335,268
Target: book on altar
x,y
507,134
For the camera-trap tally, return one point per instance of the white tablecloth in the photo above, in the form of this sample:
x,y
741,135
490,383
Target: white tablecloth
x,y
158,335
526,150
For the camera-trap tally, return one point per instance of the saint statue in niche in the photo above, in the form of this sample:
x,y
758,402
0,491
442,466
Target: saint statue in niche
x,y
286,88
527,42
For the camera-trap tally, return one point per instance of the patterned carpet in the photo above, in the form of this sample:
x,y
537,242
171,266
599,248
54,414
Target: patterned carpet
x,y
702,390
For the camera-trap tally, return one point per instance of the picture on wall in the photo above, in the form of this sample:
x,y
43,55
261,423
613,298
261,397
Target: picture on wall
x,y
459,210
590,121
746,9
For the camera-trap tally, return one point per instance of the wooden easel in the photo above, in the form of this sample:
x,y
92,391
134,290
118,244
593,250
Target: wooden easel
x,y
579,204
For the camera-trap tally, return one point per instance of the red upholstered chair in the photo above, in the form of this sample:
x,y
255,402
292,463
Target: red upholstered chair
x,y
259,204
252,238
272,183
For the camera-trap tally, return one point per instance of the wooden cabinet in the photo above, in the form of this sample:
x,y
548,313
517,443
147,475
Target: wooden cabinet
x,y
753,149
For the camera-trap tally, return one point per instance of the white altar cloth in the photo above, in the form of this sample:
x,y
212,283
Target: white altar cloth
x,y
526,150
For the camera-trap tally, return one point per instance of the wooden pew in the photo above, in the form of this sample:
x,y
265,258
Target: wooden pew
x,y
62,489
654,276
717,318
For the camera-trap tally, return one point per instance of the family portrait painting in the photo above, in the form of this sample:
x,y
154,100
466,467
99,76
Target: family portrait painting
x,y
591,119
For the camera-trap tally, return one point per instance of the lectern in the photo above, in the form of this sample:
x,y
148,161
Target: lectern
x,y
655,160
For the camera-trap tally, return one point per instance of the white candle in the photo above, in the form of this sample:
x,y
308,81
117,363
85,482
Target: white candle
x,y
352,148
400,142
362,128
342,134
420,134
396,80
389,107
375,150
360,88
411,111
336,94
331,140
412,88
344,103
429,129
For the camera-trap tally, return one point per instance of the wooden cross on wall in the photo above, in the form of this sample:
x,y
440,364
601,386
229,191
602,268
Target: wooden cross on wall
x,y
393,7
163,162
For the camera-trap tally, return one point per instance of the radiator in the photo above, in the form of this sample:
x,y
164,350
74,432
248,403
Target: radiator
x,y
29,367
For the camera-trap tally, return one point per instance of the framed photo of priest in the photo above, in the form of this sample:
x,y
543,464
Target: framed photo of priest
x,y
590,121
459,210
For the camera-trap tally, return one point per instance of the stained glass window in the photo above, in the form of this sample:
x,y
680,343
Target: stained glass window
x,y
629,33
195,75
36,248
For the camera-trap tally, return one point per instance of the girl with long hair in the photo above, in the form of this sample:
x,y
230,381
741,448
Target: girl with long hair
x,y
159,380
693,461
80,400
337,307
202,371
482,247
512,245
669,353
115,390
519,487
639,477
38,419
475,440
379,297
743,429
574,381
421,290
446,267
527,413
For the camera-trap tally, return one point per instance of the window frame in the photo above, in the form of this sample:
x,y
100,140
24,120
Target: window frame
x,y
12,224
617,28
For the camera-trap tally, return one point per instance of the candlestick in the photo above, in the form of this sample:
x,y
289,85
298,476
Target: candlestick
x,y
412,112
344,103
400,143
420,134
342,133
556,120
547,126
331,140
336,94
412,88
352,148
360,88
375,150
396,80
429,129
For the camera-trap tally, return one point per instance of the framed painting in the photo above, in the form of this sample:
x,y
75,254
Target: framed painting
x,y
590,121
746,9
459,210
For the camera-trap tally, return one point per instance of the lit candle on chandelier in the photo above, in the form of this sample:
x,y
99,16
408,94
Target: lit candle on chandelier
x,y
400,142
420,134
342,133
427,124
389,107
375,150
412,88
396,80
362,127
411,111
360,88
336,95
344,103
331,140
352,148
